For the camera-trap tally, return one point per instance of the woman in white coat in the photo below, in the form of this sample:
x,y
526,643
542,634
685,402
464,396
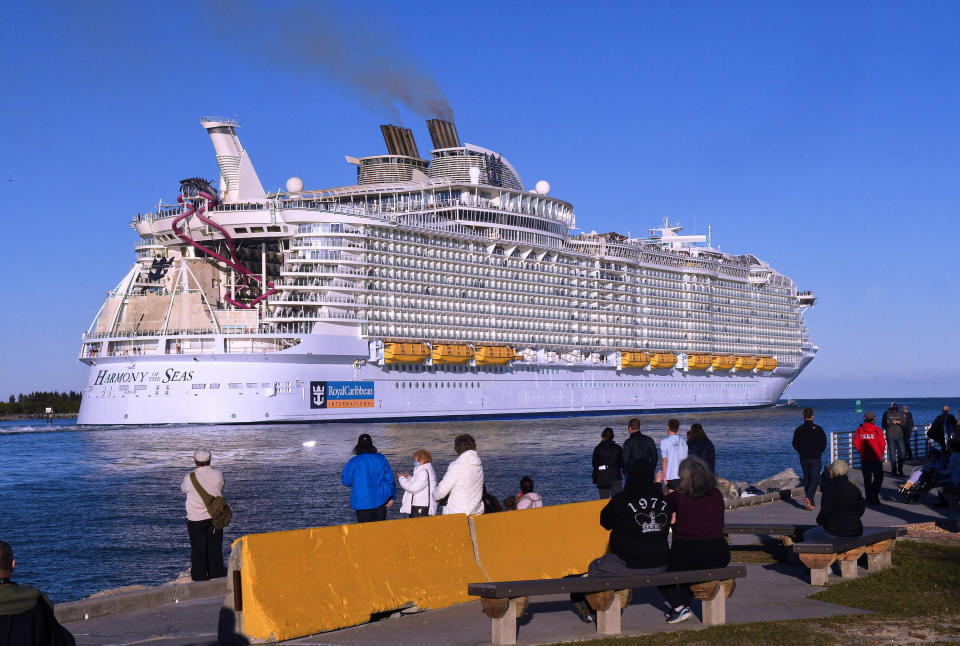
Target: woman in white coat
x,y
463,481
418,488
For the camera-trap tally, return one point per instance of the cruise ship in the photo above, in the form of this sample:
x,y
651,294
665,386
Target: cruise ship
x,y
440,287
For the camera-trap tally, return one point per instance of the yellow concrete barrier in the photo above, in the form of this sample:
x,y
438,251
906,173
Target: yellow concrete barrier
x,y
307,581
545,543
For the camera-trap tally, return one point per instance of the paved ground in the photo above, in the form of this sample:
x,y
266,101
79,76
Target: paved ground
x,y
769,592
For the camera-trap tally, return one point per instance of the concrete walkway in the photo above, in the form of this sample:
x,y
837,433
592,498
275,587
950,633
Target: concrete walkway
x,y
768,593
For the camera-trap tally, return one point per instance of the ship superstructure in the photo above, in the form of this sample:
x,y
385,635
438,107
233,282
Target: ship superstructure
x,y
431,288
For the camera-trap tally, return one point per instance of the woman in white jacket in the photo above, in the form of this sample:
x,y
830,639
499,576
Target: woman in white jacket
x,y
419,487
463,481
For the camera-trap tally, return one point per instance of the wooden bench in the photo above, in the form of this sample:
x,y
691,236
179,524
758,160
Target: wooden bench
x,y
876,542
506,601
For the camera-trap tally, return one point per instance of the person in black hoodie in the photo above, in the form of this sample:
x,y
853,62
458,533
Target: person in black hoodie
x,y
809,441
638,519
607,463
638,446
26,614
841,507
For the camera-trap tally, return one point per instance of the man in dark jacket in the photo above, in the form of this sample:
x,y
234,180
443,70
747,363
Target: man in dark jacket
x,y
841,506
809,441
907,430
868,440
893,425
26,614
638,446
638,519
607,463
943,427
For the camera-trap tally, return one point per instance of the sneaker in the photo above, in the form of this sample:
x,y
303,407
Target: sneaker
x,y
809,506
676,616
583,612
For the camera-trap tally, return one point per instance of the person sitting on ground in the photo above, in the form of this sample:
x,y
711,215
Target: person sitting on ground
x,y
417,488
699,444
638,519
698,540
510,503
840,511
527,498
463,481
26,614
490,503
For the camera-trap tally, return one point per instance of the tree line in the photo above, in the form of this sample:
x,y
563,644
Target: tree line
x,y
38,402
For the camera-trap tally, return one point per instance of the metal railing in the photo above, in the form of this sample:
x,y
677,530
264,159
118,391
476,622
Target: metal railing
x,y
841,445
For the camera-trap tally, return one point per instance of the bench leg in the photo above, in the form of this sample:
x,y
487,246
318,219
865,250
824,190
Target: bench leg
x,y
819,565
715,610
505,628
608,619
876,562
848,569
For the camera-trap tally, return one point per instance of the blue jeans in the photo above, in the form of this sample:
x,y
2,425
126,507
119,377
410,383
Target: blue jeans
x,y
898,451
811,476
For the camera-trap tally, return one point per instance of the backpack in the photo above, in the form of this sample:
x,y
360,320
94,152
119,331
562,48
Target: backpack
x,y
216,506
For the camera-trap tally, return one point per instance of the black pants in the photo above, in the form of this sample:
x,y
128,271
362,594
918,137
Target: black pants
x,y
907,432
370,515
872,481
608,492
693,555
206,550
811,476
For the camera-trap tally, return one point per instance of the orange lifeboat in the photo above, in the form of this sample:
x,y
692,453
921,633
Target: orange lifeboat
x,y
767,363
724,362
745,363
405,352
452,354
699,361
634,359
494,355
663,360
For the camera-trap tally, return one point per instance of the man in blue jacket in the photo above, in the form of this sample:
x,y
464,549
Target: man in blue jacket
x,y
370,478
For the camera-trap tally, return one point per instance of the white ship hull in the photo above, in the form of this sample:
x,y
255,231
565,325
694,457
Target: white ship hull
x,y
283,387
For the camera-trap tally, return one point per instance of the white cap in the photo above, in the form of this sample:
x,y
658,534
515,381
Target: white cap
x,y
201,455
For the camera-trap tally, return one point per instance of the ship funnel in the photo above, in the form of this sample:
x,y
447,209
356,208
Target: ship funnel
x,y
238,179
443,133
399,141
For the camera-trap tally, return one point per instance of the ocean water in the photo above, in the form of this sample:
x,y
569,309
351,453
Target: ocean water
x,y
93,508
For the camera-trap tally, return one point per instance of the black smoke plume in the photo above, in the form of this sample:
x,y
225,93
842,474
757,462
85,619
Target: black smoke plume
x,y
308,36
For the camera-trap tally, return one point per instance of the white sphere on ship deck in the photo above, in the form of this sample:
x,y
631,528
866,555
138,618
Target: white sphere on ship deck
x,y
543,187
294,185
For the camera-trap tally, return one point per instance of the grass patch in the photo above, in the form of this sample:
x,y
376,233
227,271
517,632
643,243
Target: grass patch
x,y
917,600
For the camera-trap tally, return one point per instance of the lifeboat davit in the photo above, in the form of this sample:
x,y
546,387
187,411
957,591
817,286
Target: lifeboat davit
x,y
494,355
634,359
405,352
724,362
455,355
699,361
663,360
767,363
745,363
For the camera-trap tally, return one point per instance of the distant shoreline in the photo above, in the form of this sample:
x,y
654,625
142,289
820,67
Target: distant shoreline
x,y
37,416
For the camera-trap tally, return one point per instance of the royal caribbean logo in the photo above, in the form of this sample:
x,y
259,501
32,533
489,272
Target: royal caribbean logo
x,y
341,394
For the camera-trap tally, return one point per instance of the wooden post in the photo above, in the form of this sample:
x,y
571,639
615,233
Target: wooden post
x,y
503,616
879,555
713,594
819,565
607,605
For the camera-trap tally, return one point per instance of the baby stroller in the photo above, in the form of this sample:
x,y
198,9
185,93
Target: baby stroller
x,y
920,482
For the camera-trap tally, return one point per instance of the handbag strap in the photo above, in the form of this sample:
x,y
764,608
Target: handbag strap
x,y
204,496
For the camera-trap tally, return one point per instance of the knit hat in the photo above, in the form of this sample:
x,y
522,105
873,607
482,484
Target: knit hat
x,y
364,444
201,455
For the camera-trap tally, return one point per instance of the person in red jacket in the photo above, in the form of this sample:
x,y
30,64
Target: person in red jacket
x,y
871,444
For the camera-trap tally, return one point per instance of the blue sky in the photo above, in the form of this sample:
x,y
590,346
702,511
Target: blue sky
x,y
821,137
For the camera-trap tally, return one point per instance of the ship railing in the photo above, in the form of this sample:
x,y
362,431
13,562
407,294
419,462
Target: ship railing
x,y
224,329
842,448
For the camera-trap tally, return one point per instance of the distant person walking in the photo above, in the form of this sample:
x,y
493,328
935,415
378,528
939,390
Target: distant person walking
x,y
840,511
868,440
893,425
528,498
206,541
463,481
699,445
907,430
370,478
809,441
26,614
674,451
943,428
638,446
418,488
607,465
